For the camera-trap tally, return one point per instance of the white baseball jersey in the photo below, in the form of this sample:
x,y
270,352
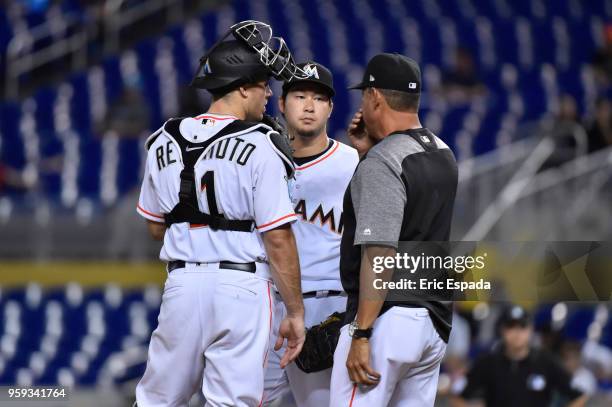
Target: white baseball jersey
x,y
249,183
317,194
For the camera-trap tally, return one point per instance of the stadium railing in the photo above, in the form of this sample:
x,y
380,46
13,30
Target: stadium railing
x,y
24,55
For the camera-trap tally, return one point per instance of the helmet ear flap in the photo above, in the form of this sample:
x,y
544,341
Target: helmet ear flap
x,y
195,82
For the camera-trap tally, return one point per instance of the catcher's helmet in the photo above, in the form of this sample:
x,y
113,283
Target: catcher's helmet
x,y
229,65
255,54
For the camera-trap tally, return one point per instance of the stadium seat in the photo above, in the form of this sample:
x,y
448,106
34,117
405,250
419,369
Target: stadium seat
x,y
322,29
70,331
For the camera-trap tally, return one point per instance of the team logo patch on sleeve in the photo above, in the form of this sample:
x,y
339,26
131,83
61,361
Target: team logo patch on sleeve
x,y
290,186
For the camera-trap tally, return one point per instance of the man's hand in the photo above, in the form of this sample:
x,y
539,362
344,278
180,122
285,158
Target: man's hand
x,y
358,134
358,363
293,329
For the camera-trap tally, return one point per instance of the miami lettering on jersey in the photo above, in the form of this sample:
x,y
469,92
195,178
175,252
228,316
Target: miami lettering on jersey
x,y
317,195
319,217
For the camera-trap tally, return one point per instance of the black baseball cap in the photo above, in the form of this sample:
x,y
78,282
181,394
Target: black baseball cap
x,y
393,72
317,73
515,315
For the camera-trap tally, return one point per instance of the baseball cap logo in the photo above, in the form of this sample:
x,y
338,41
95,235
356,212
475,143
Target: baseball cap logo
x,y
207,69
311,71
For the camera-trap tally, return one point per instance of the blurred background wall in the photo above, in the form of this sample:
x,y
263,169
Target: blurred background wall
x,y
519,89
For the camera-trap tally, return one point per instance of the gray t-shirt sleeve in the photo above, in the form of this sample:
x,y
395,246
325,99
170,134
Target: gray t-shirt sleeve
x,y
379,198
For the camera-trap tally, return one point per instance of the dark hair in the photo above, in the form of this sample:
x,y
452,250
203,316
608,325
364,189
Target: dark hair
x,y
216,94
306,85
401,101
221,92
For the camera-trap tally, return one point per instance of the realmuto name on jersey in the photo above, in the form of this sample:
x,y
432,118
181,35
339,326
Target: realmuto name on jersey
x,y
233,149
319,217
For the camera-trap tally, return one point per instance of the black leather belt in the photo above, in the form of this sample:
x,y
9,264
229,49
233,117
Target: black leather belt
x,y
248,267
330,293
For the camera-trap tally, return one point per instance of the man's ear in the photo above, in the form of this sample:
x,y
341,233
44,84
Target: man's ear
x,y
377,98
331,108
243,92
281,104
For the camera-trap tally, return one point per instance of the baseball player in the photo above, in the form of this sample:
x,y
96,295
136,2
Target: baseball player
x,y
324,169
215,191
403,190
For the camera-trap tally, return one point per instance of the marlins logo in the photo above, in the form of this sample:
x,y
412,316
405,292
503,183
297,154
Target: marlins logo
x,y
311,71
207,70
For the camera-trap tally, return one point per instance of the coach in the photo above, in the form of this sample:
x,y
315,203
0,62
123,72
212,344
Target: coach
x,y
403,190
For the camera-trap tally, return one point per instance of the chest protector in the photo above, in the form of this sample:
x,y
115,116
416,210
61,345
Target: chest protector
x,y
187,210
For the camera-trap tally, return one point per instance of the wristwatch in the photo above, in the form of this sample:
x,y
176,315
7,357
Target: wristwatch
x,y
356,333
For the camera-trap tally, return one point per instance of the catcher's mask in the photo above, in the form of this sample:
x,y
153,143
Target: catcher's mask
x,y
252,56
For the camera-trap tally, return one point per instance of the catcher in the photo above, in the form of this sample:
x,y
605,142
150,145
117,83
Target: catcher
x,y
215,192
324,169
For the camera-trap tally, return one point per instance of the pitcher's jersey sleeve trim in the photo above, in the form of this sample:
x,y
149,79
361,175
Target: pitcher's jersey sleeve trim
x,y
276,223
149,215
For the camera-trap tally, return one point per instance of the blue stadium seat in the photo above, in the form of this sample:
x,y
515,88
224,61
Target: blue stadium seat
x,y
542,317
6,33
578,322
181,55
543,27
606,335
12,151
75,349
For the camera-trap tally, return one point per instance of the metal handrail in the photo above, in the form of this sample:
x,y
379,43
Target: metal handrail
x,y
514,152
572,169
565,200
45,29
523,178
17,63
500,157
512,191
114,19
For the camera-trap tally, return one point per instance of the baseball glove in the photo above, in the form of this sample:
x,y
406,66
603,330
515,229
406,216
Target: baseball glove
x,y
276,125
318,351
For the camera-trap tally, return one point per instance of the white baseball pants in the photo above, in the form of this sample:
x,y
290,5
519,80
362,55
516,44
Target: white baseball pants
x,y
308,389
406,350
213,332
